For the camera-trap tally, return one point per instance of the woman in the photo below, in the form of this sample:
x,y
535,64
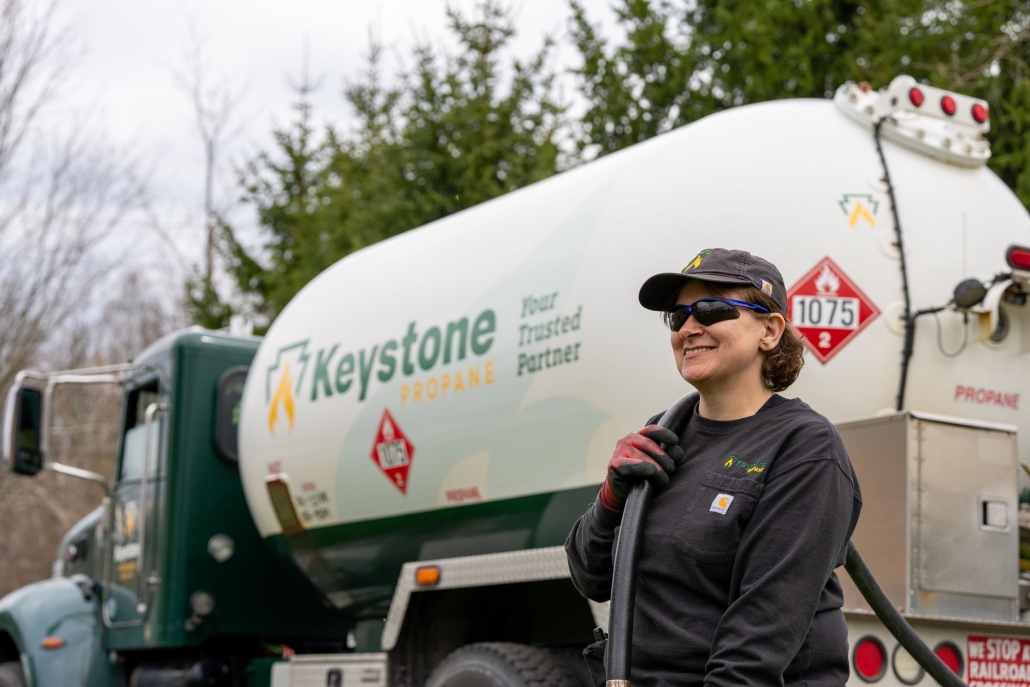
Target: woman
x,y
755,502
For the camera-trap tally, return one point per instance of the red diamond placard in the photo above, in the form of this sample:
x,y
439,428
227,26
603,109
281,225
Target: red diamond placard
x,y
392,452
827,307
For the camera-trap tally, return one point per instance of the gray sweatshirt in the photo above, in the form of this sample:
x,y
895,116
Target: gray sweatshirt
x,y
736,583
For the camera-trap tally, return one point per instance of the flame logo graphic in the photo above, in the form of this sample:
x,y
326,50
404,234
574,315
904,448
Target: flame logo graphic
x,y
283,393
827,281
858,213
696,262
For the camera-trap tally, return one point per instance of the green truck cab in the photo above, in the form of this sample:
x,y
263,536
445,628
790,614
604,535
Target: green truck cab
x,y
168,581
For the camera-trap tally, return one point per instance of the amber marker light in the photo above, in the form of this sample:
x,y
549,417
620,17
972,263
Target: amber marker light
x,y
52,643
430,574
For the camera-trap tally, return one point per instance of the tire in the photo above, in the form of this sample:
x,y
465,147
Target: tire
x,y
11,675
501,664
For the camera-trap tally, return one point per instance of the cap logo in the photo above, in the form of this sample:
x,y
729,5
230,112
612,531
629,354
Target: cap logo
x,y
696,262
767,287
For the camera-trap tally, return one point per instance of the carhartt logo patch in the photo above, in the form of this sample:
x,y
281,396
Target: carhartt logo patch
x,y
720,504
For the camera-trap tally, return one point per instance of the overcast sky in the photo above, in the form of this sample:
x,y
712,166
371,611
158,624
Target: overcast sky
x,y
131,50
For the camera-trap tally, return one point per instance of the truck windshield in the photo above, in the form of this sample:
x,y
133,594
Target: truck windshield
x,y
133,443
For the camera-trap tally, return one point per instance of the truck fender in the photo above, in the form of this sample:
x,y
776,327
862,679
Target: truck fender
x,y
530,565
66,608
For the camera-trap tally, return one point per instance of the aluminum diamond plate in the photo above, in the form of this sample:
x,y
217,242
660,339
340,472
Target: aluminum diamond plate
x,y
331,670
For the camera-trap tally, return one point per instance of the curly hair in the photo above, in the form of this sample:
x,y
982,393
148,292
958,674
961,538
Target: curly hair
x,y
782,365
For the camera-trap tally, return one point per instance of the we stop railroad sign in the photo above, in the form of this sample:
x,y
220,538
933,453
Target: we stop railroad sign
x,y
829,309
392,452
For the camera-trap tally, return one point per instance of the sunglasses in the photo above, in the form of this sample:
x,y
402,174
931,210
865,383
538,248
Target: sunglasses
x,y
708,311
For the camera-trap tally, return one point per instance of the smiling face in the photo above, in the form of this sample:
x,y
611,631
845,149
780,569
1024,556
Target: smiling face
x,y
726,354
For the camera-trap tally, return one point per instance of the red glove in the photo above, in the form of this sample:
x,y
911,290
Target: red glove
x,y
639,456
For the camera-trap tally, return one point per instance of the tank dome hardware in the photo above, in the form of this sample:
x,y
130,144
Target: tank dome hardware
x,y
941,124
1015,295
969,293
1018,258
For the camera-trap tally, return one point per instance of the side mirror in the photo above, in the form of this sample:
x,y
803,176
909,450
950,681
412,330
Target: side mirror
x,y
22,450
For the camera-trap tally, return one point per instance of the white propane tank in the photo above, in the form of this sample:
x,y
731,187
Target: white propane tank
x,y
496,355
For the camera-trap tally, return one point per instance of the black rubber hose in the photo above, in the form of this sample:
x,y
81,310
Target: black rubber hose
x,y
627,552
894,621
910,325
624,583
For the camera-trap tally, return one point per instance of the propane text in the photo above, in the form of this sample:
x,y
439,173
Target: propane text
x,y
454,382
986,397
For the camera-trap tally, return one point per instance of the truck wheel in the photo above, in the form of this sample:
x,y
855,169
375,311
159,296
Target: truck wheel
x,y
11,675
501,664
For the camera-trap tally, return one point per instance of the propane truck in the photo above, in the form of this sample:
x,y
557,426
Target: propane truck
x,y
377,492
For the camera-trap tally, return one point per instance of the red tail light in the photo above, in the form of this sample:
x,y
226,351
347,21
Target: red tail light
x,y
951,656
916,96
948,105
980,113
869,659
1018,257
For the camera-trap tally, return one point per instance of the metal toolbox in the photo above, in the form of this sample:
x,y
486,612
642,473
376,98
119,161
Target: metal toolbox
x,y
939,526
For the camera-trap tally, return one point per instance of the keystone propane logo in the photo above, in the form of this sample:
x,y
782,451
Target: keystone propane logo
x,y
339,373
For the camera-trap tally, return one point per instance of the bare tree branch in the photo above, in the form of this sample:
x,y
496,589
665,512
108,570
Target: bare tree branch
x,y
31,47
214,103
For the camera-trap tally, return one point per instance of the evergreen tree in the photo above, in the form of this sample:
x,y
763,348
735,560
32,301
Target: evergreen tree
x,y
681,61
453,132
293,193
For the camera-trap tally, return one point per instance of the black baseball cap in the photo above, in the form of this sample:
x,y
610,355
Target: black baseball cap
x,y
718,266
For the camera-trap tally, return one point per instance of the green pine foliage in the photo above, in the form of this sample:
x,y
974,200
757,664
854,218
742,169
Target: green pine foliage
x,y
454,131
680,61
297,199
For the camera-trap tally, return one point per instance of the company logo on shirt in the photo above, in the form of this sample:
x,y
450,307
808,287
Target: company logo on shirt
x,y
721,504
735,462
